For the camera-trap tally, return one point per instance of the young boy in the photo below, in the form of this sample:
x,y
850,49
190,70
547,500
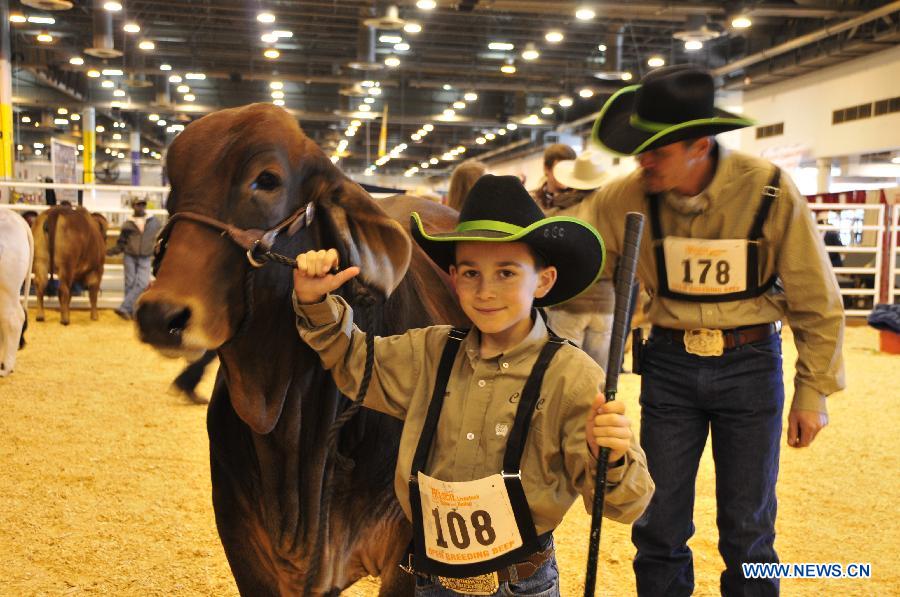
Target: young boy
x,y
501,434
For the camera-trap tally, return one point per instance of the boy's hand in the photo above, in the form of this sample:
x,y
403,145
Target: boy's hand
x,y
608,427
313,278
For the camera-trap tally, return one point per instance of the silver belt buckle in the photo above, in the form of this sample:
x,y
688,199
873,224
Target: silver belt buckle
x,y
485,584
703,342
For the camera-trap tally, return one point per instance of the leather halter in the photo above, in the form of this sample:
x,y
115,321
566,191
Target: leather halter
x,y
257,243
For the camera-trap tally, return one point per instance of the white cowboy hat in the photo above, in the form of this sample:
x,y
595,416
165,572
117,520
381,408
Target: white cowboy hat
x,y
582,173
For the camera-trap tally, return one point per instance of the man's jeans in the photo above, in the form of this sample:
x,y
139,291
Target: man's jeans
x,y
137,278
739,397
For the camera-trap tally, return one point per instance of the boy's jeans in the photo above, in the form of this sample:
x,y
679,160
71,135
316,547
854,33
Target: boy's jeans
x,y
739,397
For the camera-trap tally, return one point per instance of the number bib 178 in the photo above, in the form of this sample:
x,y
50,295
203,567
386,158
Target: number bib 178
x,y
467,521
705,267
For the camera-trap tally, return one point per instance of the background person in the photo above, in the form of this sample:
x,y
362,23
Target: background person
x,y
713,361
549,186
462,180
136,240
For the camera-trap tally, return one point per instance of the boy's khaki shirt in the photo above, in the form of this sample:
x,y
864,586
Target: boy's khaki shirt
x,y
791,247
479,408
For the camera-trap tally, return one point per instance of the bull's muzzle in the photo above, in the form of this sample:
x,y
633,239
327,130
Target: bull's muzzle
x,y
161,323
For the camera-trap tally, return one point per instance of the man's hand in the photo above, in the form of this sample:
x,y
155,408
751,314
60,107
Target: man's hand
x,y
313,278
803,426
608,427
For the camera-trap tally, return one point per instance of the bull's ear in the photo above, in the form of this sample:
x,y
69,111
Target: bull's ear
x,y
370,238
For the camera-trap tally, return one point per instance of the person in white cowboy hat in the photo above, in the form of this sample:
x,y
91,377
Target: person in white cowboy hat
x,y
483,493
731,249
587,319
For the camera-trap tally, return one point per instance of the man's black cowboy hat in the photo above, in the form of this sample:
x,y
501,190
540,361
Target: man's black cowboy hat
x,y
499,209
670,104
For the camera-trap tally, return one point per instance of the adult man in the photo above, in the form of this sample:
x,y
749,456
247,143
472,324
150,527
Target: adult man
x,y
731,248
136,240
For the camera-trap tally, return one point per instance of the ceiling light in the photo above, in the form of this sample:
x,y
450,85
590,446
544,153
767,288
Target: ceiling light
x,y
401,47
350,132
508,69
100,128
392,61
93,73
80,147
501,132
554,37
26,119
182,89
283,33
411,27
364,108
44,37
271,53
161,123
416,137
547,110
76,60
189,97
60,121
426,4
277,94
117,136
503,46
449,112
656,61
107,84
112,6
459,105
75,117
586,92
741,22
585,14
626,76
428,127
390,39
481,140
369,100
565,101
195,76
37,152
490,136
165,67
530,52
460,149
512,126
447,87
174,78
153,117
368,83
470,96
424,165
602,47
265,17
120,155
119,93
278,102
277,85
374,90
692,45
355,124
433,161
269,38
17,17
131,28
113,72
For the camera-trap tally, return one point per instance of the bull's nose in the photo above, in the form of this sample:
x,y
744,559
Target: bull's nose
x,y
161,324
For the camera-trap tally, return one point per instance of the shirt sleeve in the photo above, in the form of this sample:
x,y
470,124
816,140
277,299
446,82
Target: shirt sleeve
x,y
814,308
328,328
628,486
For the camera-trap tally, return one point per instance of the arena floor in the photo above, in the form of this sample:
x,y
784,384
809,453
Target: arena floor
x,y
104,486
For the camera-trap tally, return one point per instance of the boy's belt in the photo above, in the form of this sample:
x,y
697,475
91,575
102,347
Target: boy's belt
x,y
732,338
514,573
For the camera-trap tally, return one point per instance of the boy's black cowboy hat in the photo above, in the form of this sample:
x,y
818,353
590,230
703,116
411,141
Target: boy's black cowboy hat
x,y
670,104
499,209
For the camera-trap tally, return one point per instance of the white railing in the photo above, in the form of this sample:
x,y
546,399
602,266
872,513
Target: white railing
x,y
894,256
873,244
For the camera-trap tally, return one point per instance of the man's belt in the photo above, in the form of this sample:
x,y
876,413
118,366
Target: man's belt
x,y
731,338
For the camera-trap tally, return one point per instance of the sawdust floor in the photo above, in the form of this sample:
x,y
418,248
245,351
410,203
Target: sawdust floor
x,y
104,484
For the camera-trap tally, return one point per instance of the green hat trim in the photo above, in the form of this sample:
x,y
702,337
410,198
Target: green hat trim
x,y
661,129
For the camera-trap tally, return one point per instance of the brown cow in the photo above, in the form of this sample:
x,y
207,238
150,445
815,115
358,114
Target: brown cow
x,y
273,404
69,242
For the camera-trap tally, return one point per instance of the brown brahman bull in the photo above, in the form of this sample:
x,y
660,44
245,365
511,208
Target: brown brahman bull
x,y
235,174
69,242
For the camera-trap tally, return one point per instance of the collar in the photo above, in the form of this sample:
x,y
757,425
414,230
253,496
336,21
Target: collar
x,y
529,346
702,201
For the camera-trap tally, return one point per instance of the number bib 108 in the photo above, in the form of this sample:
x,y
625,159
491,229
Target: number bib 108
x,y
705,267
467,521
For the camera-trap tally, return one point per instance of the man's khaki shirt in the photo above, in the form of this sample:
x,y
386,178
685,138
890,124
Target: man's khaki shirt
x,y
791,247
479,409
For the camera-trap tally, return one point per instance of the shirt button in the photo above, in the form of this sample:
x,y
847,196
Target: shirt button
x,y
481,384
506,365
470,436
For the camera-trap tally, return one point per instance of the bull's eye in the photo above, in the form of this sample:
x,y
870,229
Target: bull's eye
x,y
266,181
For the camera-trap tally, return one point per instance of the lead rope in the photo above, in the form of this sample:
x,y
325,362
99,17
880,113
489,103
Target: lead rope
x,y
333,459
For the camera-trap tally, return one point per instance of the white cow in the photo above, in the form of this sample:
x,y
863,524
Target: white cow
x,y
16,258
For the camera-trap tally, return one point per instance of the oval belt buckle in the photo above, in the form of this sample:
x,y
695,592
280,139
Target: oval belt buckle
x,y
485,584
703,342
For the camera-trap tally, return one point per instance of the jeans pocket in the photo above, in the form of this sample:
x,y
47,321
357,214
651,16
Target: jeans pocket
x,y
543,583
770,347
